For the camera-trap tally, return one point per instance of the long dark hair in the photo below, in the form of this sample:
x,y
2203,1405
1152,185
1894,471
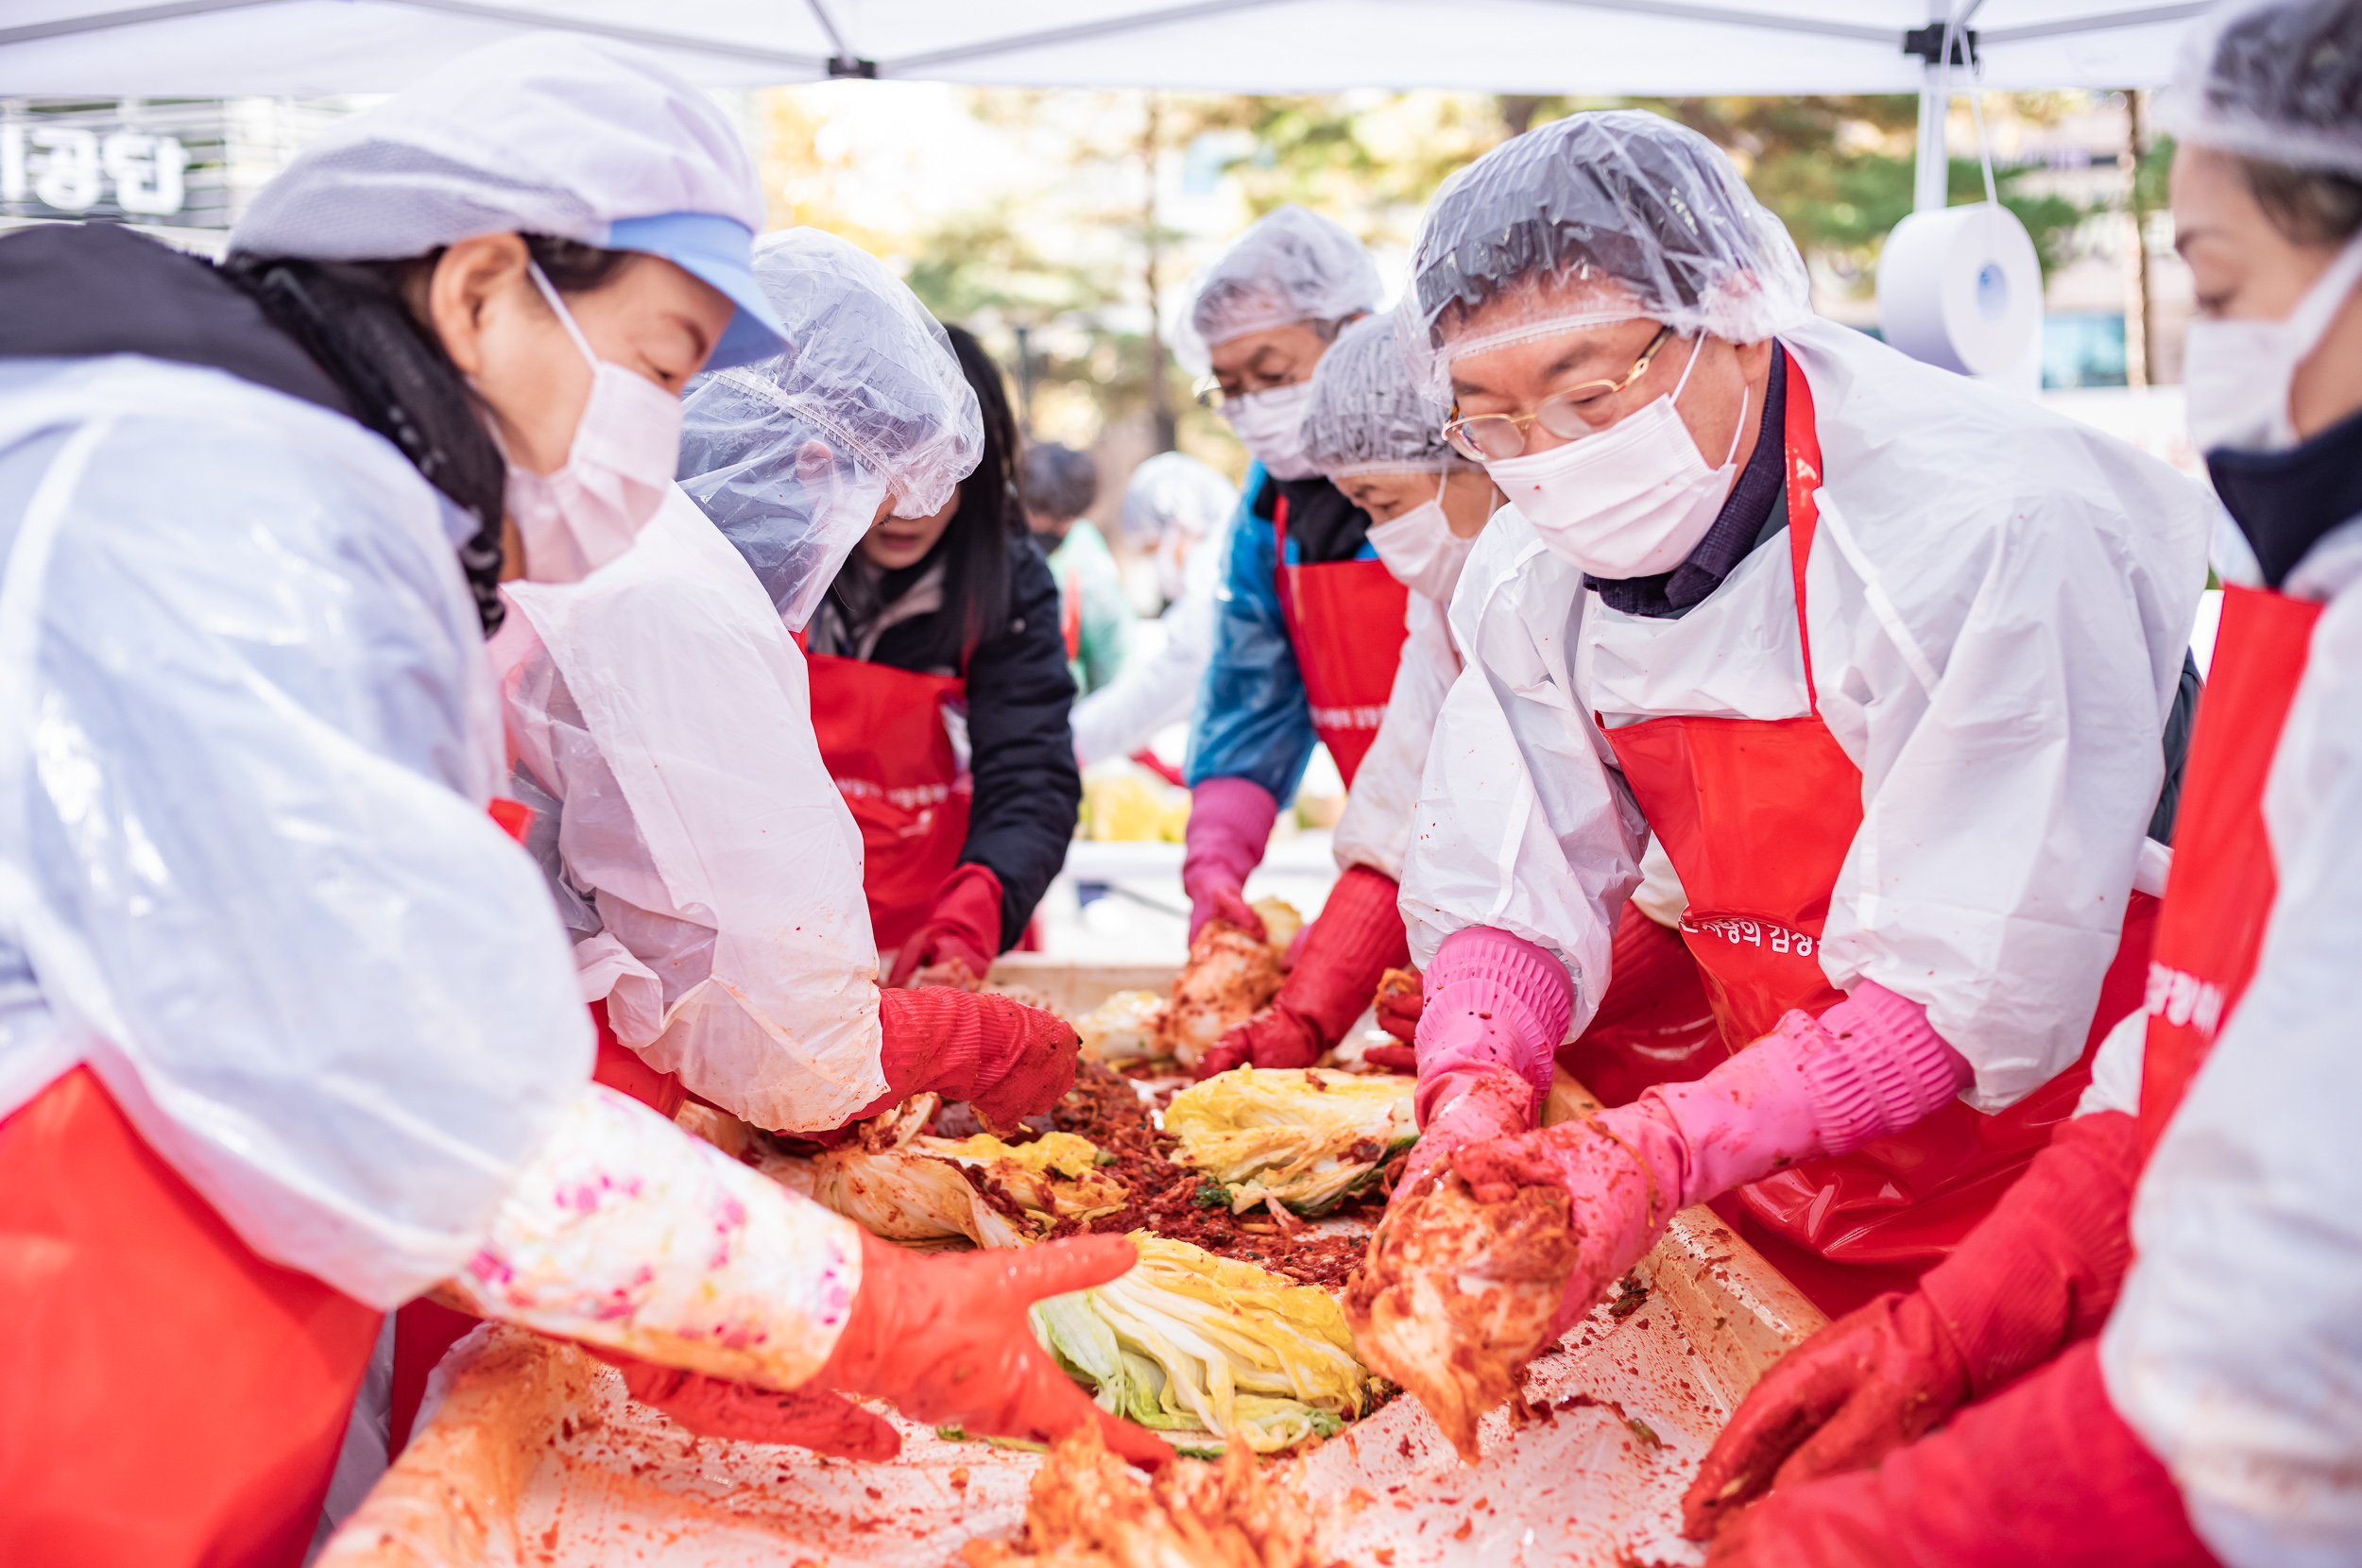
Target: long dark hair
x,y
356,320
975,545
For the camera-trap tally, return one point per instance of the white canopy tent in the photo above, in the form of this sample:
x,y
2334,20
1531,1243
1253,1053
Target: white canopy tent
x,y
301,48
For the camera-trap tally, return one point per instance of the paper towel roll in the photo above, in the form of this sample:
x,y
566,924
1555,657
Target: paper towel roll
x,y
1961,289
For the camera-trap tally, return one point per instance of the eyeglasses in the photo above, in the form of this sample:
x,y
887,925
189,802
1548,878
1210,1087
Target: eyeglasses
x,y
1497,437
1209,392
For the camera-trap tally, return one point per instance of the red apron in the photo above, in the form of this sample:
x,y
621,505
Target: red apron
x,y
1346,621
2221,892
167,1397
883,737
1757,816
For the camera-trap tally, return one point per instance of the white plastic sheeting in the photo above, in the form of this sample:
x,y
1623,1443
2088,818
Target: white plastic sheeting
x,y
309,47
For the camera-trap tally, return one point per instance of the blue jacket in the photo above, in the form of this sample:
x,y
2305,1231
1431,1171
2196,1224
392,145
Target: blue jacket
x,y
1253,719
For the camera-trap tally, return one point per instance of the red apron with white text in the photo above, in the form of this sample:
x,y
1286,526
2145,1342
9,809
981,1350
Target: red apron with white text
x,y
883,737
1345,622
168,1398
2220,891
1757,816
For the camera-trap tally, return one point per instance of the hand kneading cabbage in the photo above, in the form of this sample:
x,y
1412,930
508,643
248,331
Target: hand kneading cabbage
x,y
1189,1341
1305,1138
899,1183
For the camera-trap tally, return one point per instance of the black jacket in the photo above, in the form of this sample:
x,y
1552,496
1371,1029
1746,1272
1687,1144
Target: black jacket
x,y
1028,790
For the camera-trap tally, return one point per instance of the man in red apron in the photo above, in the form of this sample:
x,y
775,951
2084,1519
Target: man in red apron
x,y
2218,1357
1310,623
1788,603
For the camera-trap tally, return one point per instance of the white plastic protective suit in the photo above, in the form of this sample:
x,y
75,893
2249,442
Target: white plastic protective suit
x,y
2236,1350
1181,510
708,863
248,876
2000,602
1374,828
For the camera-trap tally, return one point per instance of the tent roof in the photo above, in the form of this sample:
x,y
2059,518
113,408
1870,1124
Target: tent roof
x,y
302,48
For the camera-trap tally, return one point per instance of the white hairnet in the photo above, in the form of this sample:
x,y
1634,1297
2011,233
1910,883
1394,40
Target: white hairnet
x,y
1619,196
1175,490
791,457
553,133
2276,80
1366,417
1290,264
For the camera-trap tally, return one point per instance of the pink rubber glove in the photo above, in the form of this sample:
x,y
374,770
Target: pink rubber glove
x,y
1867,1066
1496,1009
1339,957
1229,825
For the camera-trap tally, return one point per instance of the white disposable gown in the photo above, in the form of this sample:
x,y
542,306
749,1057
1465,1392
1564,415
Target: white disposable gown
x,y
1374,828
1151,693
1999,601
704,856
2236,1350
246,875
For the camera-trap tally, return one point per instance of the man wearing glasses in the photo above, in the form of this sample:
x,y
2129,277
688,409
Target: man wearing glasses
x,y
1882,656
1310,623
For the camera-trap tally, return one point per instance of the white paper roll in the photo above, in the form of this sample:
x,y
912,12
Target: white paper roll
x,y
1961,289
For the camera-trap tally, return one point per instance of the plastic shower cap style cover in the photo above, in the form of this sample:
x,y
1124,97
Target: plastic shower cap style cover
x,y
790,457
1366,417
1598,217
2276,80
553,133
1290,264
1175,490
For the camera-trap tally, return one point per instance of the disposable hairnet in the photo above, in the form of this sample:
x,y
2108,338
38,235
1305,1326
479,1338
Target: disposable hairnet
x,y
1620,197
1366,417
2276,80
1292,265
1175,490
791,457
553,133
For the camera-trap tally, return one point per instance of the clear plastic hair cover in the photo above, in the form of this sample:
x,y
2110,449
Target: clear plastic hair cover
x,y
2276,80
1174,490
790,457
1290,264
1366,415
549,135
1595,218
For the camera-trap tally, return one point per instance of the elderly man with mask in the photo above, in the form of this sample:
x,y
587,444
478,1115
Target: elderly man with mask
x,y
2211,1417
1308,637
1179,511
1881,656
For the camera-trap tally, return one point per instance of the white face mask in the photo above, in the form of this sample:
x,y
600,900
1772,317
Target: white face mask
x,y
1420,549
617,469
2236,374
1630,502
1271,425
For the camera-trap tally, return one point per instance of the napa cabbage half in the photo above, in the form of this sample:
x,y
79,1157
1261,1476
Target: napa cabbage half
x,y
1306,1138
1187,1340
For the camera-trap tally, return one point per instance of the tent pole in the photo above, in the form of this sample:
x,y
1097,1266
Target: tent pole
x,y
1931,174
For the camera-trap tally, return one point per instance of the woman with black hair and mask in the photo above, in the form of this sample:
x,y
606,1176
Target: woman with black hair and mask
x,y
940,691
289,1034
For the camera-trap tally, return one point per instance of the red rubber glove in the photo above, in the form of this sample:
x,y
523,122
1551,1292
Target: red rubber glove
x,y
1008,1060
715,1407
1339,959
1398,1009
1812,1087
944,1337
1229,827
963,926
2044,1472
2041,1271
1499,1008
